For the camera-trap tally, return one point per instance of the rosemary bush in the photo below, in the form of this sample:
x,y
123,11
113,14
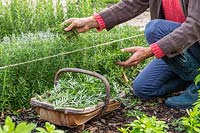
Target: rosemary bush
x,y
18,84
22,16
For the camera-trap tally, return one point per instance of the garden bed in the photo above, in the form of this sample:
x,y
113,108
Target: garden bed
x,y
115,119
25,80
34,41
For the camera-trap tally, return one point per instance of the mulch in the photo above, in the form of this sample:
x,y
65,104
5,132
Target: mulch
x,y
110,122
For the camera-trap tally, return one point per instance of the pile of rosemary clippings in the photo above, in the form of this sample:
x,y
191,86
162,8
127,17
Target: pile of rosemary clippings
x,y
79,91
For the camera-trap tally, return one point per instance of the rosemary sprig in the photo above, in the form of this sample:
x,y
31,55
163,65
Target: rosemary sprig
x,y
64,34
78,92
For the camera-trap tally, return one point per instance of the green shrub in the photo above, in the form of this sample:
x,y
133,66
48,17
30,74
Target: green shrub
x,y
23,16
49,128
192,121
10,127
145,124
24,127
18,84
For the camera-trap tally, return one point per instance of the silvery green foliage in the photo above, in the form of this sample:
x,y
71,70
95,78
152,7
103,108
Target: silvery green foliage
x,y
23,81
79,92
29,37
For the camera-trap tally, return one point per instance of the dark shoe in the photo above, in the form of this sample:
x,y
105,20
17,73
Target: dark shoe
x,y
184,100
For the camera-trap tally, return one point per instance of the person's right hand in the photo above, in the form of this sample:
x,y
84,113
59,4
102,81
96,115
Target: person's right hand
x,y
81,24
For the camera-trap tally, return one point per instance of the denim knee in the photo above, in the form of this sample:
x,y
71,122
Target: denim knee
x,y
152,30
158,28
139,90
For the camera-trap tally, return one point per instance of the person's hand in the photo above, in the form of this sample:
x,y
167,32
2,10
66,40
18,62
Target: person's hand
x,y
81,24
139,54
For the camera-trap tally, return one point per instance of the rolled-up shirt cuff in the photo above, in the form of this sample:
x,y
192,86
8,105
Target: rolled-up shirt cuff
x,y
157,51
100,21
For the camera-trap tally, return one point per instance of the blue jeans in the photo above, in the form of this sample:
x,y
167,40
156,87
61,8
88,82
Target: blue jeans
x,y
166,75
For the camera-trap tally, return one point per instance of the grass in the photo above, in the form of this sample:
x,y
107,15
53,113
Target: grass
x,y
20,83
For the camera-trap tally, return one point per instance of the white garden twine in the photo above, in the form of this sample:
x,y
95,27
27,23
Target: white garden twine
x,y
69,52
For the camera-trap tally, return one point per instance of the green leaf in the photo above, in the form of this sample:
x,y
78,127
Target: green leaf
x,y
197,129
123,130
23,127
10,124
57,131
147,124
6,128
197,79
197,125
49,127
41,130
1,130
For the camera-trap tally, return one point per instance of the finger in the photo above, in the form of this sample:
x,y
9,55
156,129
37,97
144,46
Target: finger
x,y
69,20
124,64
131,50
83,29
70,27
131,60
134,63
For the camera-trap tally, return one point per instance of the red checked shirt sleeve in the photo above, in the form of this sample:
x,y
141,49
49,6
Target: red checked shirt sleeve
x,y
100,21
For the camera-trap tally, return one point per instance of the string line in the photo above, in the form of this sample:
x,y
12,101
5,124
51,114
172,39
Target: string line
x,y
69,52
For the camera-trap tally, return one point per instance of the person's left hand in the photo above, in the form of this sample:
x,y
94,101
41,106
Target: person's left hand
x,y
139,54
